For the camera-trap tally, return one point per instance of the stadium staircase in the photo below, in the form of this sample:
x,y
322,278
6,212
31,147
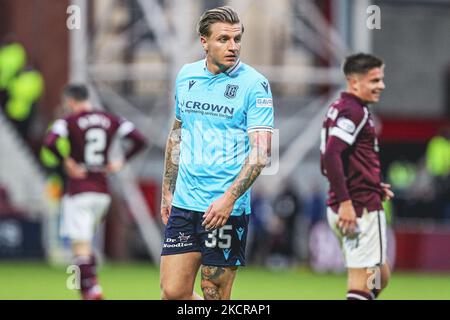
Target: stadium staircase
x,y
20,172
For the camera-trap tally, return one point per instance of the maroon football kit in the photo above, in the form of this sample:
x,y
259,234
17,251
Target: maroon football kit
x,y
90,135
349,155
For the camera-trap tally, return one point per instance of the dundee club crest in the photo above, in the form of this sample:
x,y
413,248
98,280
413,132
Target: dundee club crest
x,y
230,91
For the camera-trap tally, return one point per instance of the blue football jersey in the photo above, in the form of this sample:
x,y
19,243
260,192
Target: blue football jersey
x,y
217,112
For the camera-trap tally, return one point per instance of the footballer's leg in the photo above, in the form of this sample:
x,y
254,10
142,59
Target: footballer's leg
x,y
81,248
217,282
365,256
357,284
385,273
378,279
223,250
178,273
81,215
367,283
87,264
180,256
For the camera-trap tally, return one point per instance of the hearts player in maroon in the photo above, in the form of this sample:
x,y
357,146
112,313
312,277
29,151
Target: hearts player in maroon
x,y
350,161
90,133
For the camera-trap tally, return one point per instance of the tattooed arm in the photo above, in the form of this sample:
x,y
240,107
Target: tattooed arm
x,y
170,169
218,212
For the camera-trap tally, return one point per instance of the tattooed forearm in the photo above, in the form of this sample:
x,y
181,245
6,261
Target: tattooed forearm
x,y
171,159
254,164
247,176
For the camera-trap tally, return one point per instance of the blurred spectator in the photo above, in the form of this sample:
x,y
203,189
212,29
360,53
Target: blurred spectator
x,y
438,166
438,154
23,92
20,87
422,190
287,207
401,175
259,239
315,206
413,188
12,60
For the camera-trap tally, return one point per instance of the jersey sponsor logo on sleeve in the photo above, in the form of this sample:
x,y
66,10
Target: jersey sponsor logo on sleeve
x,y
346,124
264,102
332,113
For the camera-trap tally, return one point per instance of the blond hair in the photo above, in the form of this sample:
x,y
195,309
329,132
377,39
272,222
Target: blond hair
x,y
221,14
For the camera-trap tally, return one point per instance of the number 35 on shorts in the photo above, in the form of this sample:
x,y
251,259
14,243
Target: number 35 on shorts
x,y
220,237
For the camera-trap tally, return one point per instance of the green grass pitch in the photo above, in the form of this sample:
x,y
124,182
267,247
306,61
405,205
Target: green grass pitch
x,y
32,280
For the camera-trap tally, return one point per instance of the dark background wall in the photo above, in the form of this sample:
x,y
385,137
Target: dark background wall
x,y
40,26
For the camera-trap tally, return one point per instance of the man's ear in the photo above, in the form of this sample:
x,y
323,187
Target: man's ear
x,y
204,43
353,81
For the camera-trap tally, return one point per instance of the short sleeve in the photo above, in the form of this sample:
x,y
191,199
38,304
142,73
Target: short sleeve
x,y
177,105
348,123
260,108
177,108
125,127
60,128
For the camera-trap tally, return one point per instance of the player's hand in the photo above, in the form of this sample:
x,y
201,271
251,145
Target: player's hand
x,y
115,166
347,218
74,170
218,212
166,207
388,194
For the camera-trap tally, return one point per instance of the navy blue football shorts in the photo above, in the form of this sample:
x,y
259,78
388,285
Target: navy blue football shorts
x,y
224,247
